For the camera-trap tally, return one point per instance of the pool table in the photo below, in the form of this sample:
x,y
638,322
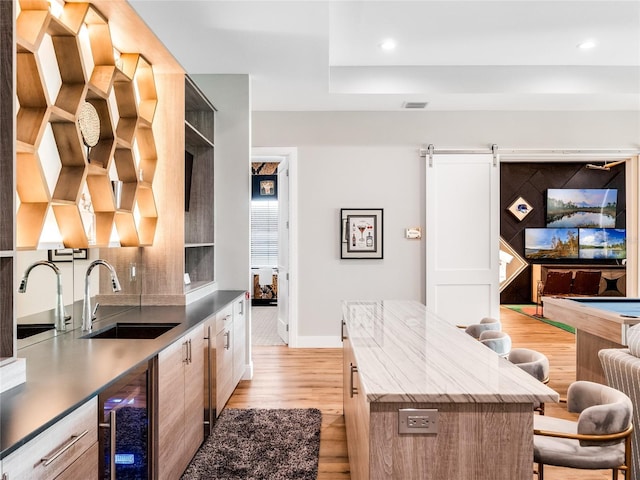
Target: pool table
x,y
600,322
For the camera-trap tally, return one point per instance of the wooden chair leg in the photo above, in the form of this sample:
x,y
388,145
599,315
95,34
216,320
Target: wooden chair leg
x,y
540,471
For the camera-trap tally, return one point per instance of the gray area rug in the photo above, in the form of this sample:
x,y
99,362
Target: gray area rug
x,y
260,444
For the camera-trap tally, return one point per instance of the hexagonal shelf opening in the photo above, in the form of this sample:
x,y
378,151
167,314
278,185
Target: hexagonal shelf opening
x,y
127,109
31,23
32,100
72,227
147,154
101,154
69,60
72,173
101,46
146,88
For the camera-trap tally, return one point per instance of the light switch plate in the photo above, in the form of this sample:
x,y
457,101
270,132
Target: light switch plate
x,y
413,233
418,420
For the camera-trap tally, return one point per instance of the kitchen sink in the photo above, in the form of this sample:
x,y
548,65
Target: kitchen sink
x,y
133,330
30,329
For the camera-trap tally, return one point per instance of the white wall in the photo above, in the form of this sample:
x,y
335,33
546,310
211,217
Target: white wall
x,y
231,96
371,159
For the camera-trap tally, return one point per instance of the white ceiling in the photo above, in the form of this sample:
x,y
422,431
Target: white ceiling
x,y
455,55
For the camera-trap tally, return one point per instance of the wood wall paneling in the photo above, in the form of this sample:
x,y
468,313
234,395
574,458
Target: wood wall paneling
x,y
7,188
531,180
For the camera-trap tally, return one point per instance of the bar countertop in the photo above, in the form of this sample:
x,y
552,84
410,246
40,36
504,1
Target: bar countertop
x,y
405,353
66,370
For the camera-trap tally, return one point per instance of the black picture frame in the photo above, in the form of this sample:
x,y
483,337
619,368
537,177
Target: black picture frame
x,y
61,255
362,233
264,187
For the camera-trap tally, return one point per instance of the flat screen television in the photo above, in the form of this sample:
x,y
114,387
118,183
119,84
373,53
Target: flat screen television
x,y
581,207
550,243
602,243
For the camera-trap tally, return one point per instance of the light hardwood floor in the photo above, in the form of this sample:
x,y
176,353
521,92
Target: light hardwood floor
x,y
305,378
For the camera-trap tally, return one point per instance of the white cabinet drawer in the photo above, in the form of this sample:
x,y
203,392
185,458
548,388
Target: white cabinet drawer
x,y
52,451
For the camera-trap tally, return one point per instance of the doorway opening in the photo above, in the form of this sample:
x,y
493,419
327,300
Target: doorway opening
x,y
271,224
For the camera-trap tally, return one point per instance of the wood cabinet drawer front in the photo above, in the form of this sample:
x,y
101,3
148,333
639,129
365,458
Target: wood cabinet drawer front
x,y
224,318
52,451
85,467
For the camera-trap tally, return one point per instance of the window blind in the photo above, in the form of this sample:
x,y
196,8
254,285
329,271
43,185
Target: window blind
x,y
264,233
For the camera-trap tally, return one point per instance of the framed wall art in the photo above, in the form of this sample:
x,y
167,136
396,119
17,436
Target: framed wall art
x,y
68,254
520,208
361,233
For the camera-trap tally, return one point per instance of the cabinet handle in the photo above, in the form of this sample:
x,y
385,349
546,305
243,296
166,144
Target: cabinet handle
x,y
189,351
352,389
343,337
68,444
241,302
112,441
185,352
227,343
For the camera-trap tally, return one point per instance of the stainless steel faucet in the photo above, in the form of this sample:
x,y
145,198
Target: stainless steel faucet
x,y
87,314
60,314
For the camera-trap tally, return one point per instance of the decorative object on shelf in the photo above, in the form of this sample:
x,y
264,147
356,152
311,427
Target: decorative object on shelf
x,y
68,254
89,124
362,233
520,208
117,193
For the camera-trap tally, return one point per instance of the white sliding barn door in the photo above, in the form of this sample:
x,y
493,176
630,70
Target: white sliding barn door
x,y
462,236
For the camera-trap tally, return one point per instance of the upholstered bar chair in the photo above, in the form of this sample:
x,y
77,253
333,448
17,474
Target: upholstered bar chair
x,y
487,323
600,438
498,341
622,370
535,364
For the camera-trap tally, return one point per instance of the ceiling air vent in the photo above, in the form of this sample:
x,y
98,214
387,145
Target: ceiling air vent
x,y
414,105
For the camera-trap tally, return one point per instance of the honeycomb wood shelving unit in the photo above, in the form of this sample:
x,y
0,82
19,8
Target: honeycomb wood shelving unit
x,y
63,60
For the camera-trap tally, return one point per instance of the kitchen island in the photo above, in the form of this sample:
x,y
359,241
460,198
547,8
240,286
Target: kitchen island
x,y
475,407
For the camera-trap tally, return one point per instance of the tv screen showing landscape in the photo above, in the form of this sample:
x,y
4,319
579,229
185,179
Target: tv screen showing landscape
x,y
581,207
550,243
602,243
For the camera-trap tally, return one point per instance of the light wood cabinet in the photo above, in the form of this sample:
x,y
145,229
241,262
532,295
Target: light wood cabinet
x,y
239,339
224,357
68,449
356,413
180,403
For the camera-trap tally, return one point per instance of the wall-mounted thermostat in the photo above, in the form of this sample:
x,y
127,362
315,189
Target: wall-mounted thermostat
x,y
413,232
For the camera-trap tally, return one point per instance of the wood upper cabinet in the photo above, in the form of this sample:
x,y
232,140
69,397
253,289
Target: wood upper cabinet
x,y
180,403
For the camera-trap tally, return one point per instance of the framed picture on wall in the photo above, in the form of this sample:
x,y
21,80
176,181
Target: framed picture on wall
x,y
264,187
361,233
520,208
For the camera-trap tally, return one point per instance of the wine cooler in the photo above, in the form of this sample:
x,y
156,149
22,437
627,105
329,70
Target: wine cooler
x,y
124,420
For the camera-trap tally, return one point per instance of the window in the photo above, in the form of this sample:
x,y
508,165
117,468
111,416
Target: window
x,y
264,233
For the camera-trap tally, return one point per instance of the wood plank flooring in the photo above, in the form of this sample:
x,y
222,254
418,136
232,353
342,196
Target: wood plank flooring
x,y
305,378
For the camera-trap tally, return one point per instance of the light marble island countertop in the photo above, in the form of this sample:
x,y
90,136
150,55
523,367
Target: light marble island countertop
x,y
405,353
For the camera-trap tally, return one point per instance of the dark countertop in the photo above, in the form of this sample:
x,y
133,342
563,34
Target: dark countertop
x,y
66,370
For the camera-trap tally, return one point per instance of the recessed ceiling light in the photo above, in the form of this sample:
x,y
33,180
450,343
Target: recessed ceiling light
x,y
586,45
388,44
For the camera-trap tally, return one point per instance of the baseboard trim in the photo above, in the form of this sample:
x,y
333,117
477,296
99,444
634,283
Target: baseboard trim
x,y
318,342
